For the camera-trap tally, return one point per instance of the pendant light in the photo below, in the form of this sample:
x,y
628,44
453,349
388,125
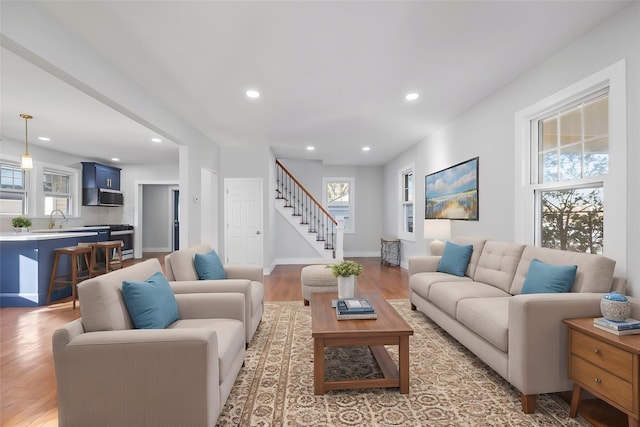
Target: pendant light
x,y
27,161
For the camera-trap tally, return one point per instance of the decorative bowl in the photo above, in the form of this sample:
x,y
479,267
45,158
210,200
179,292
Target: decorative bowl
x,y
615,307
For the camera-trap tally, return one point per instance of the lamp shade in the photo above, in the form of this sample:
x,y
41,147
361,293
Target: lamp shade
x,y
26,162
437,229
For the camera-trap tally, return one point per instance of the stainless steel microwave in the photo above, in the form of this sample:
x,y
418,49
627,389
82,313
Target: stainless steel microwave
x,y
101,197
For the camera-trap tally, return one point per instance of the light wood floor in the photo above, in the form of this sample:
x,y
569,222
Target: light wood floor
x,y
28,394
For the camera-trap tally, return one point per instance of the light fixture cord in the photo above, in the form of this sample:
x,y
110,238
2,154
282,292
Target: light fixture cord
x,y
26,134
26,118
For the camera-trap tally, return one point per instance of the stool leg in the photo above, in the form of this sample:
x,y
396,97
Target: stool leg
x,y
74,279
119,250
53,276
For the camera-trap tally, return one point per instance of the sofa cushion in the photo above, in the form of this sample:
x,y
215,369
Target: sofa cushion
x,y
446,295
498,263
487,317
151,304
546,278
455,259
209,267
477,244
182,265
229,334
594,274
421,282
101,300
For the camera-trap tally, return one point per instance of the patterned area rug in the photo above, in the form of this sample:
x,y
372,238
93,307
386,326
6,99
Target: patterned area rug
x,y
449,386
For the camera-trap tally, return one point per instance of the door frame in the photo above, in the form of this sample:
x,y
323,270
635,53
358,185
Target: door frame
x,y
137,212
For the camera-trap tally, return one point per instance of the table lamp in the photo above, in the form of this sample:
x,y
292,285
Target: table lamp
x,y
438,230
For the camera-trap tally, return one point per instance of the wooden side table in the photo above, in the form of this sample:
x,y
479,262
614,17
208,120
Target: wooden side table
x,y
606,365
390,251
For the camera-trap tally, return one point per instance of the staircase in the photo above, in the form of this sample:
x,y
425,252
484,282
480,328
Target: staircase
x,y
308,217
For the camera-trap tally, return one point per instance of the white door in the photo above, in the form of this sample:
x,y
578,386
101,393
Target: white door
x,y
243,220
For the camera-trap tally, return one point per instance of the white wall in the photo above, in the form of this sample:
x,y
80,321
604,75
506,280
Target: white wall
x,y
487,131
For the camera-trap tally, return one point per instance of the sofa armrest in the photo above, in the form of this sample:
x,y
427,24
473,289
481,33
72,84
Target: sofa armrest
x,y
423,264
249,272
212,306
538,338
134,374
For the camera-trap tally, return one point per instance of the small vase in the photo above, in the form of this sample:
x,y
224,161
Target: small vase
x,y
615,307
346,286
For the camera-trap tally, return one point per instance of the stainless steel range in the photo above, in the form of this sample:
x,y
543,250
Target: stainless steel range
x,y
122,232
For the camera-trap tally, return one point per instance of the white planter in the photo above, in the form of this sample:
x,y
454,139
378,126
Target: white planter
x,y
346,286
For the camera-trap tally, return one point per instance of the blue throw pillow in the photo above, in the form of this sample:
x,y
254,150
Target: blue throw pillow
x,y
209,266
151,304
545,278
455,259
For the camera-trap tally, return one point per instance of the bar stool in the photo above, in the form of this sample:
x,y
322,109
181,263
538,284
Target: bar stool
x,y
78,274
112,257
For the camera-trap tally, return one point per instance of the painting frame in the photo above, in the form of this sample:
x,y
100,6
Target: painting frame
x,y
452,193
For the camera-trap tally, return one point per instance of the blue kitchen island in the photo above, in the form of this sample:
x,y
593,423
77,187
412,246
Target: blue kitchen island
x,y
26,260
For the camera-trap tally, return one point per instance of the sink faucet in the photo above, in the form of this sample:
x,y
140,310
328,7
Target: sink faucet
x,y
52,222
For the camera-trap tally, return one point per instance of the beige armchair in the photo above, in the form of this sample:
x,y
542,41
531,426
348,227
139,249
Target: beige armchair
x,y
246,279
109,374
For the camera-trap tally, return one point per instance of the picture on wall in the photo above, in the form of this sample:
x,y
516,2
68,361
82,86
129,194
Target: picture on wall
x,y
452,193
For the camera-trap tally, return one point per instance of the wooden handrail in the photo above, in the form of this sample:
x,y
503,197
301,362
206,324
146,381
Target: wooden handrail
x,y
306,192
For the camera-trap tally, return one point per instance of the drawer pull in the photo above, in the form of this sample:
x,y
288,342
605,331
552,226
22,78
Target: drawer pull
x,y
597,350
598,380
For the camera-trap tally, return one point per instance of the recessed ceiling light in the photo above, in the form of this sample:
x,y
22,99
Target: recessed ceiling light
x,y
44,138
253,93
156,140
412,96
115,159
311,148
366,148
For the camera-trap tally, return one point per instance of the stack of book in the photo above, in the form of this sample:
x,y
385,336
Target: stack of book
x,y
355,308
624,327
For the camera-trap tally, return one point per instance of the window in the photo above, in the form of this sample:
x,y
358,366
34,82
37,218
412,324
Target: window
x,y
572,160
338,197
13,190
571,166
57,192
406,202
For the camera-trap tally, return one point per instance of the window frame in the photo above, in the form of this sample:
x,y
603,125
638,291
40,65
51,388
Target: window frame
x,y
403,203
35,195
352,191
69,195
25,191
614,183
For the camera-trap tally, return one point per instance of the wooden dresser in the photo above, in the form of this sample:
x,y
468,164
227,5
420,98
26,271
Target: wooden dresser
x,y
606,365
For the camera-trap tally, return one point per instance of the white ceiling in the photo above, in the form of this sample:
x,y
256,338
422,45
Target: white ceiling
x,y
332,74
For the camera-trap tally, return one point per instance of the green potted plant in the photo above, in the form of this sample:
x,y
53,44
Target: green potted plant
x,y
346,272
21,223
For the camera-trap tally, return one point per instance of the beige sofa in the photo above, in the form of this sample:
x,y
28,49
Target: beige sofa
x,y
520,336
110,374
246,279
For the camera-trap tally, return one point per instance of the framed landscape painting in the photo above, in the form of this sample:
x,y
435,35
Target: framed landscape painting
x,y
452,193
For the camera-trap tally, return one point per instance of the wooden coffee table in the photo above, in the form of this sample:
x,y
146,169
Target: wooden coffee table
x,y
388,329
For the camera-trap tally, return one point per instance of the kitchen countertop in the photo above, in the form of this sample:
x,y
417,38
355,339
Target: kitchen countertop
x,y
12,236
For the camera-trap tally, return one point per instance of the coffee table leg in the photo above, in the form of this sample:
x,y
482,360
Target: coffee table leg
x,y
403,364
318,366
